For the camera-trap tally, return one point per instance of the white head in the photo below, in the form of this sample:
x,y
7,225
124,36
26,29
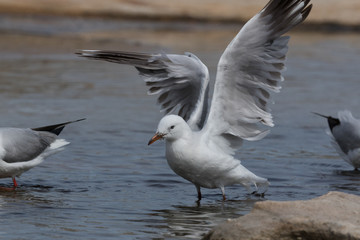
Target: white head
x,y
171,127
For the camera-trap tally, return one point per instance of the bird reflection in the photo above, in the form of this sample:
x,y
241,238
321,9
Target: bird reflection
x,y
346,181
196,220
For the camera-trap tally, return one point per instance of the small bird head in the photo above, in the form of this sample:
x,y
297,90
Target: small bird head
x,y
331,121
171,127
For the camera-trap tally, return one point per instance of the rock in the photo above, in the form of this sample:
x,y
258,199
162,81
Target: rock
x,y
334,216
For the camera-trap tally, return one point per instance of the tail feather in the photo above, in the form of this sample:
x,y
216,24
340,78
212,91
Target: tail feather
x,y
248,179
261,185
55,147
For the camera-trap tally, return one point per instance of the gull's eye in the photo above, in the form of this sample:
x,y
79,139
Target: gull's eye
x,y
172,127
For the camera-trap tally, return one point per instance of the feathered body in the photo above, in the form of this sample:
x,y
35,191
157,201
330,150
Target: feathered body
x,y
199,163
201,141
344,132
23,148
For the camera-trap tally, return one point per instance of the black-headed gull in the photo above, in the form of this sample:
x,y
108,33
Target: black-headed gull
x,y
345,136
23,148
201,142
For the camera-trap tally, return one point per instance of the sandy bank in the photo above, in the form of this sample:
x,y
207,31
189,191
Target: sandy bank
x,y
346,12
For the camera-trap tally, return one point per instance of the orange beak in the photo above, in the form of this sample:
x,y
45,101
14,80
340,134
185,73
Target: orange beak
x,y
156,137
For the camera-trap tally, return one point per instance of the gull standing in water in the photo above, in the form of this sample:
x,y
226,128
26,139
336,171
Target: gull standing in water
x,y
201,142
345,136
23,148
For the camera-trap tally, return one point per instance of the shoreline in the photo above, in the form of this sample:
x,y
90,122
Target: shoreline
x,y
167,22
327,15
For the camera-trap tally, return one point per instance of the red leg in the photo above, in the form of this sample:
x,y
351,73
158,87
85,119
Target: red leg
x,y
15,183
10,189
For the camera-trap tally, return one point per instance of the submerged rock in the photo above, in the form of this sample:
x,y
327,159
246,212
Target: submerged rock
x,y
334,216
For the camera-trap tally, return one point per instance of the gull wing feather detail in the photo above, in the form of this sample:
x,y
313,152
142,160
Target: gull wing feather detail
x,y
23,144
249,70
180,81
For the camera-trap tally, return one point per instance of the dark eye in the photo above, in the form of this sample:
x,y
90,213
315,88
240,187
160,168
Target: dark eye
x,y
172,127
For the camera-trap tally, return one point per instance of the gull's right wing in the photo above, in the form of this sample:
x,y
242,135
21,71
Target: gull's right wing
x,y
180,81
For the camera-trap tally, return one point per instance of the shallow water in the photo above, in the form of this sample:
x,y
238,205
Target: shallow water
x,y
108,183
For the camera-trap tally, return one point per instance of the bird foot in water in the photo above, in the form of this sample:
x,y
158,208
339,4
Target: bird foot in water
x,y
7,189
257,194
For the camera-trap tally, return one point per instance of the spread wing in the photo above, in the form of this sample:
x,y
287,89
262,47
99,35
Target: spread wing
x,y
248,71
180,81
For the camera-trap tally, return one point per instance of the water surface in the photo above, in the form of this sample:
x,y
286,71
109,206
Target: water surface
x,y
108,183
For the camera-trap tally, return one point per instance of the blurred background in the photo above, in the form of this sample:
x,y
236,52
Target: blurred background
x,y
108,184
342,12
88,21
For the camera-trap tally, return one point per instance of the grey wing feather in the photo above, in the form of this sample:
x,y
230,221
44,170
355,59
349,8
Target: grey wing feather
x,y
22,145
249,70
180,81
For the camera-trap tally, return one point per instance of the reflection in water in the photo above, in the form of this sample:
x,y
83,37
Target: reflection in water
x,y
32,194
43,212
348,181
195,221
352,173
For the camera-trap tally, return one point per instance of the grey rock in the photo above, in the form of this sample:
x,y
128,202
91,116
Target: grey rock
x,y
334,216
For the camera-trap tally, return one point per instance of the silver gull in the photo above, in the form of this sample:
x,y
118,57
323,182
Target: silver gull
x,y
344,132
201,141
23,148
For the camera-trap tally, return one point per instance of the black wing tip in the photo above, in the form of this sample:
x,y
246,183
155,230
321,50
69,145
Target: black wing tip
x,y
56,128
321,115
81,119
286,6
333,122
305,13
69,122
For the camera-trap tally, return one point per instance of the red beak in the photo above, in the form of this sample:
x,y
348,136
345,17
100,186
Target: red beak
x,y
156,137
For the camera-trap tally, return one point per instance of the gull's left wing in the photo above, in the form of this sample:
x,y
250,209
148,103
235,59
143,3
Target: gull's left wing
x,y
248,71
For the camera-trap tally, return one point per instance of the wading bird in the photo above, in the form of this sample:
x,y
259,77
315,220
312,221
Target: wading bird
x,y
201,141
345,136
23,148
